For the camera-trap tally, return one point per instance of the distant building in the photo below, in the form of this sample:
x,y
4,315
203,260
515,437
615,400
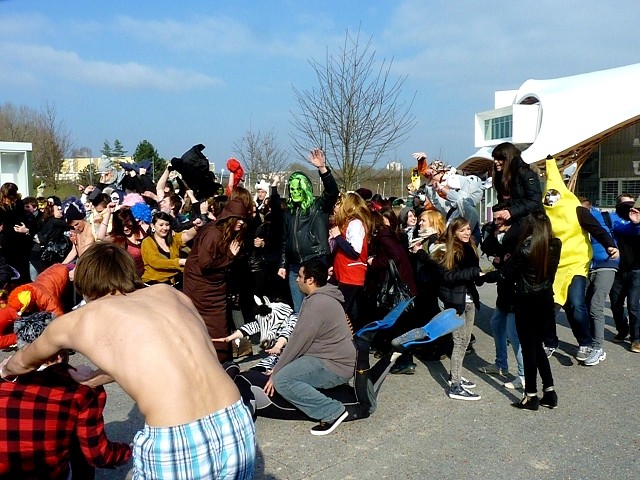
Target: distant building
x,y
71,167
15,165
590,120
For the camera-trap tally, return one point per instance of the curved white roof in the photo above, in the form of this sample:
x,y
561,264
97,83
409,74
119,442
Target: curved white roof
x,y
577,108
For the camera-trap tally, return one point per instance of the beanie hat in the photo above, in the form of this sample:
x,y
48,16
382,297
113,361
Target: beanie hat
x,y
28,328
73,209
54,200
141,212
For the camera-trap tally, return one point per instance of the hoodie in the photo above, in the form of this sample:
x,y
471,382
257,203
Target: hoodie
x,y
322,331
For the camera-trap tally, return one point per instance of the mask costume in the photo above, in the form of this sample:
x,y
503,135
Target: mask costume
x,y
306,226
560,204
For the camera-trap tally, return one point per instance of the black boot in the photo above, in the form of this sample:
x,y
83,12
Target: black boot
x,y
528,403
549,399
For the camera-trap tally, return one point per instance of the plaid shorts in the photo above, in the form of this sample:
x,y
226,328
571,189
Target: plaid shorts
x,y
220,445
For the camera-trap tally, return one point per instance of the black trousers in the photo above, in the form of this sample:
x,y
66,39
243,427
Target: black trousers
x,y
534,315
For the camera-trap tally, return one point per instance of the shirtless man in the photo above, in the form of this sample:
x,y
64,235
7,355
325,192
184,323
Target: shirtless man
x,y
153,343
81,234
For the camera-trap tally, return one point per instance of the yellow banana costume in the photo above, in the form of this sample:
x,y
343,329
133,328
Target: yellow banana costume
x,y
560,204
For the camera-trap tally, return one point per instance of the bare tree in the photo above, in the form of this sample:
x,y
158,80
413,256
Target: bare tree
x,y
356,113
49,136
260,154
51,145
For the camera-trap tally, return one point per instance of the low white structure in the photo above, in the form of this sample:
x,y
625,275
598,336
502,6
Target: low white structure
x,y
591,120
15,165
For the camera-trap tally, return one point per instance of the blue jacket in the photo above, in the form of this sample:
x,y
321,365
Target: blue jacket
x,y
601,258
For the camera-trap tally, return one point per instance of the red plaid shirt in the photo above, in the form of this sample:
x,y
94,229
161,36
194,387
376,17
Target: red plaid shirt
x,y
42,416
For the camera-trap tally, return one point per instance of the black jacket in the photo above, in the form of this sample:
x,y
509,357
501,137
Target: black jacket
x,y
526,194
457,282
521,272
307,236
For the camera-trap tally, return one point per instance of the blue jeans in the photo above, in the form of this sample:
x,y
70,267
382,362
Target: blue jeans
x,y
296,295
298,382
503,326
626,285
576,310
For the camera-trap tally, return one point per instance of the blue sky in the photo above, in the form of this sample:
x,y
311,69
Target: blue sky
x,y
183,72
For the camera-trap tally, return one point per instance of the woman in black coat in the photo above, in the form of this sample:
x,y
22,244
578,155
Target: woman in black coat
x,y
518,186
532,269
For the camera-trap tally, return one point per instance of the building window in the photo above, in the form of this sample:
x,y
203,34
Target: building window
x,y
610,189
630,186
498,128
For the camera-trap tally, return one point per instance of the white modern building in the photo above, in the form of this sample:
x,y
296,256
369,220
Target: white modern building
x,y
589,122
15,165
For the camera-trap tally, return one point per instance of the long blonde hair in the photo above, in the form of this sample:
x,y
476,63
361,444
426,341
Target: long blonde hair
x,y
454,248
352,206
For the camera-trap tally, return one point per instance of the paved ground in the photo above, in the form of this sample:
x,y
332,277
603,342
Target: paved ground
x,y
418,432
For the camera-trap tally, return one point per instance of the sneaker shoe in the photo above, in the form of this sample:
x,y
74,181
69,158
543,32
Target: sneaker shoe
x,y
635,346
597,356
515,384
493,369
325,428
620,338
583,353
459,393
463,382
408,369
549,351
528,403
549,400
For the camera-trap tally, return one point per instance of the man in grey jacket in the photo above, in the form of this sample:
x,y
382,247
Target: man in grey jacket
x,y
320,352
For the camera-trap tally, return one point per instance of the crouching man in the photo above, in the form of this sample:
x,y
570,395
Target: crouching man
x,y
153,343
320,352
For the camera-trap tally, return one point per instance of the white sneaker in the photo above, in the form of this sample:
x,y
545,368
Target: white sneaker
x,y
597,356
515,384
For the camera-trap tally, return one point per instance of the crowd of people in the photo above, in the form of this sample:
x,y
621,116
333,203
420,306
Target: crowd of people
x,y
180,262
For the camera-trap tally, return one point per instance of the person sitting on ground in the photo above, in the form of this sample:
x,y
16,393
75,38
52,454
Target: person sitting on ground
x,y
153,343
35,402
320,352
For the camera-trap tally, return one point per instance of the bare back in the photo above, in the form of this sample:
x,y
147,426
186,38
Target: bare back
x,y
155,345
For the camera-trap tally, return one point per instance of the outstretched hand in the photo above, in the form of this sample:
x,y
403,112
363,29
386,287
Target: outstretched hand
x,y
316,157
419,155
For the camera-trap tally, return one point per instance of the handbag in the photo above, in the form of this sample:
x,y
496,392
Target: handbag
x,y
393,290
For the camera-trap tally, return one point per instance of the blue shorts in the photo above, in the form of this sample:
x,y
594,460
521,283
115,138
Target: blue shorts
x,y
220,445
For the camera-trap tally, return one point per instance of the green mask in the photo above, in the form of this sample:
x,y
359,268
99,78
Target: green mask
x,y
300,192
295,189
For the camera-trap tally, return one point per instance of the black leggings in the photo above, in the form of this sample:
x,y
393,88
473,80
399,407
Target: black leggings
x,y
534,314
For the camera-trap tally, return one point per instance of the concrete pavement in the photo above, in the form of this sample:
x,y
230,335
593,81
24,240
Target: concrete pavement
x,y
418,432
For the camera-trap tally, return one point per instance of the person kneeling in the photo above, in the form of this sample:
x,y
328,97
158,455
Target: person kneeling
x,y
320,352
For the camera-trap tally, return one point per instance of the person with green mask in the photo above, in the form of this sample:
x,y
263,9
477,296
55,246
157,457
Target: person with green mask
x,y
306,223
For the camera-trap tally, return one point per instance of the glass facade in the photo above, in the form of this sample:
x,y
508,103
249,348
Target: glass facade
x,y
498,128
612,168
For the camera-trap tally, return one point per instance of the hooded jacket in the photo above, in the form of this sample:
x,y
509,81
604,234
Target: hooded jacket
x,y
322,331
